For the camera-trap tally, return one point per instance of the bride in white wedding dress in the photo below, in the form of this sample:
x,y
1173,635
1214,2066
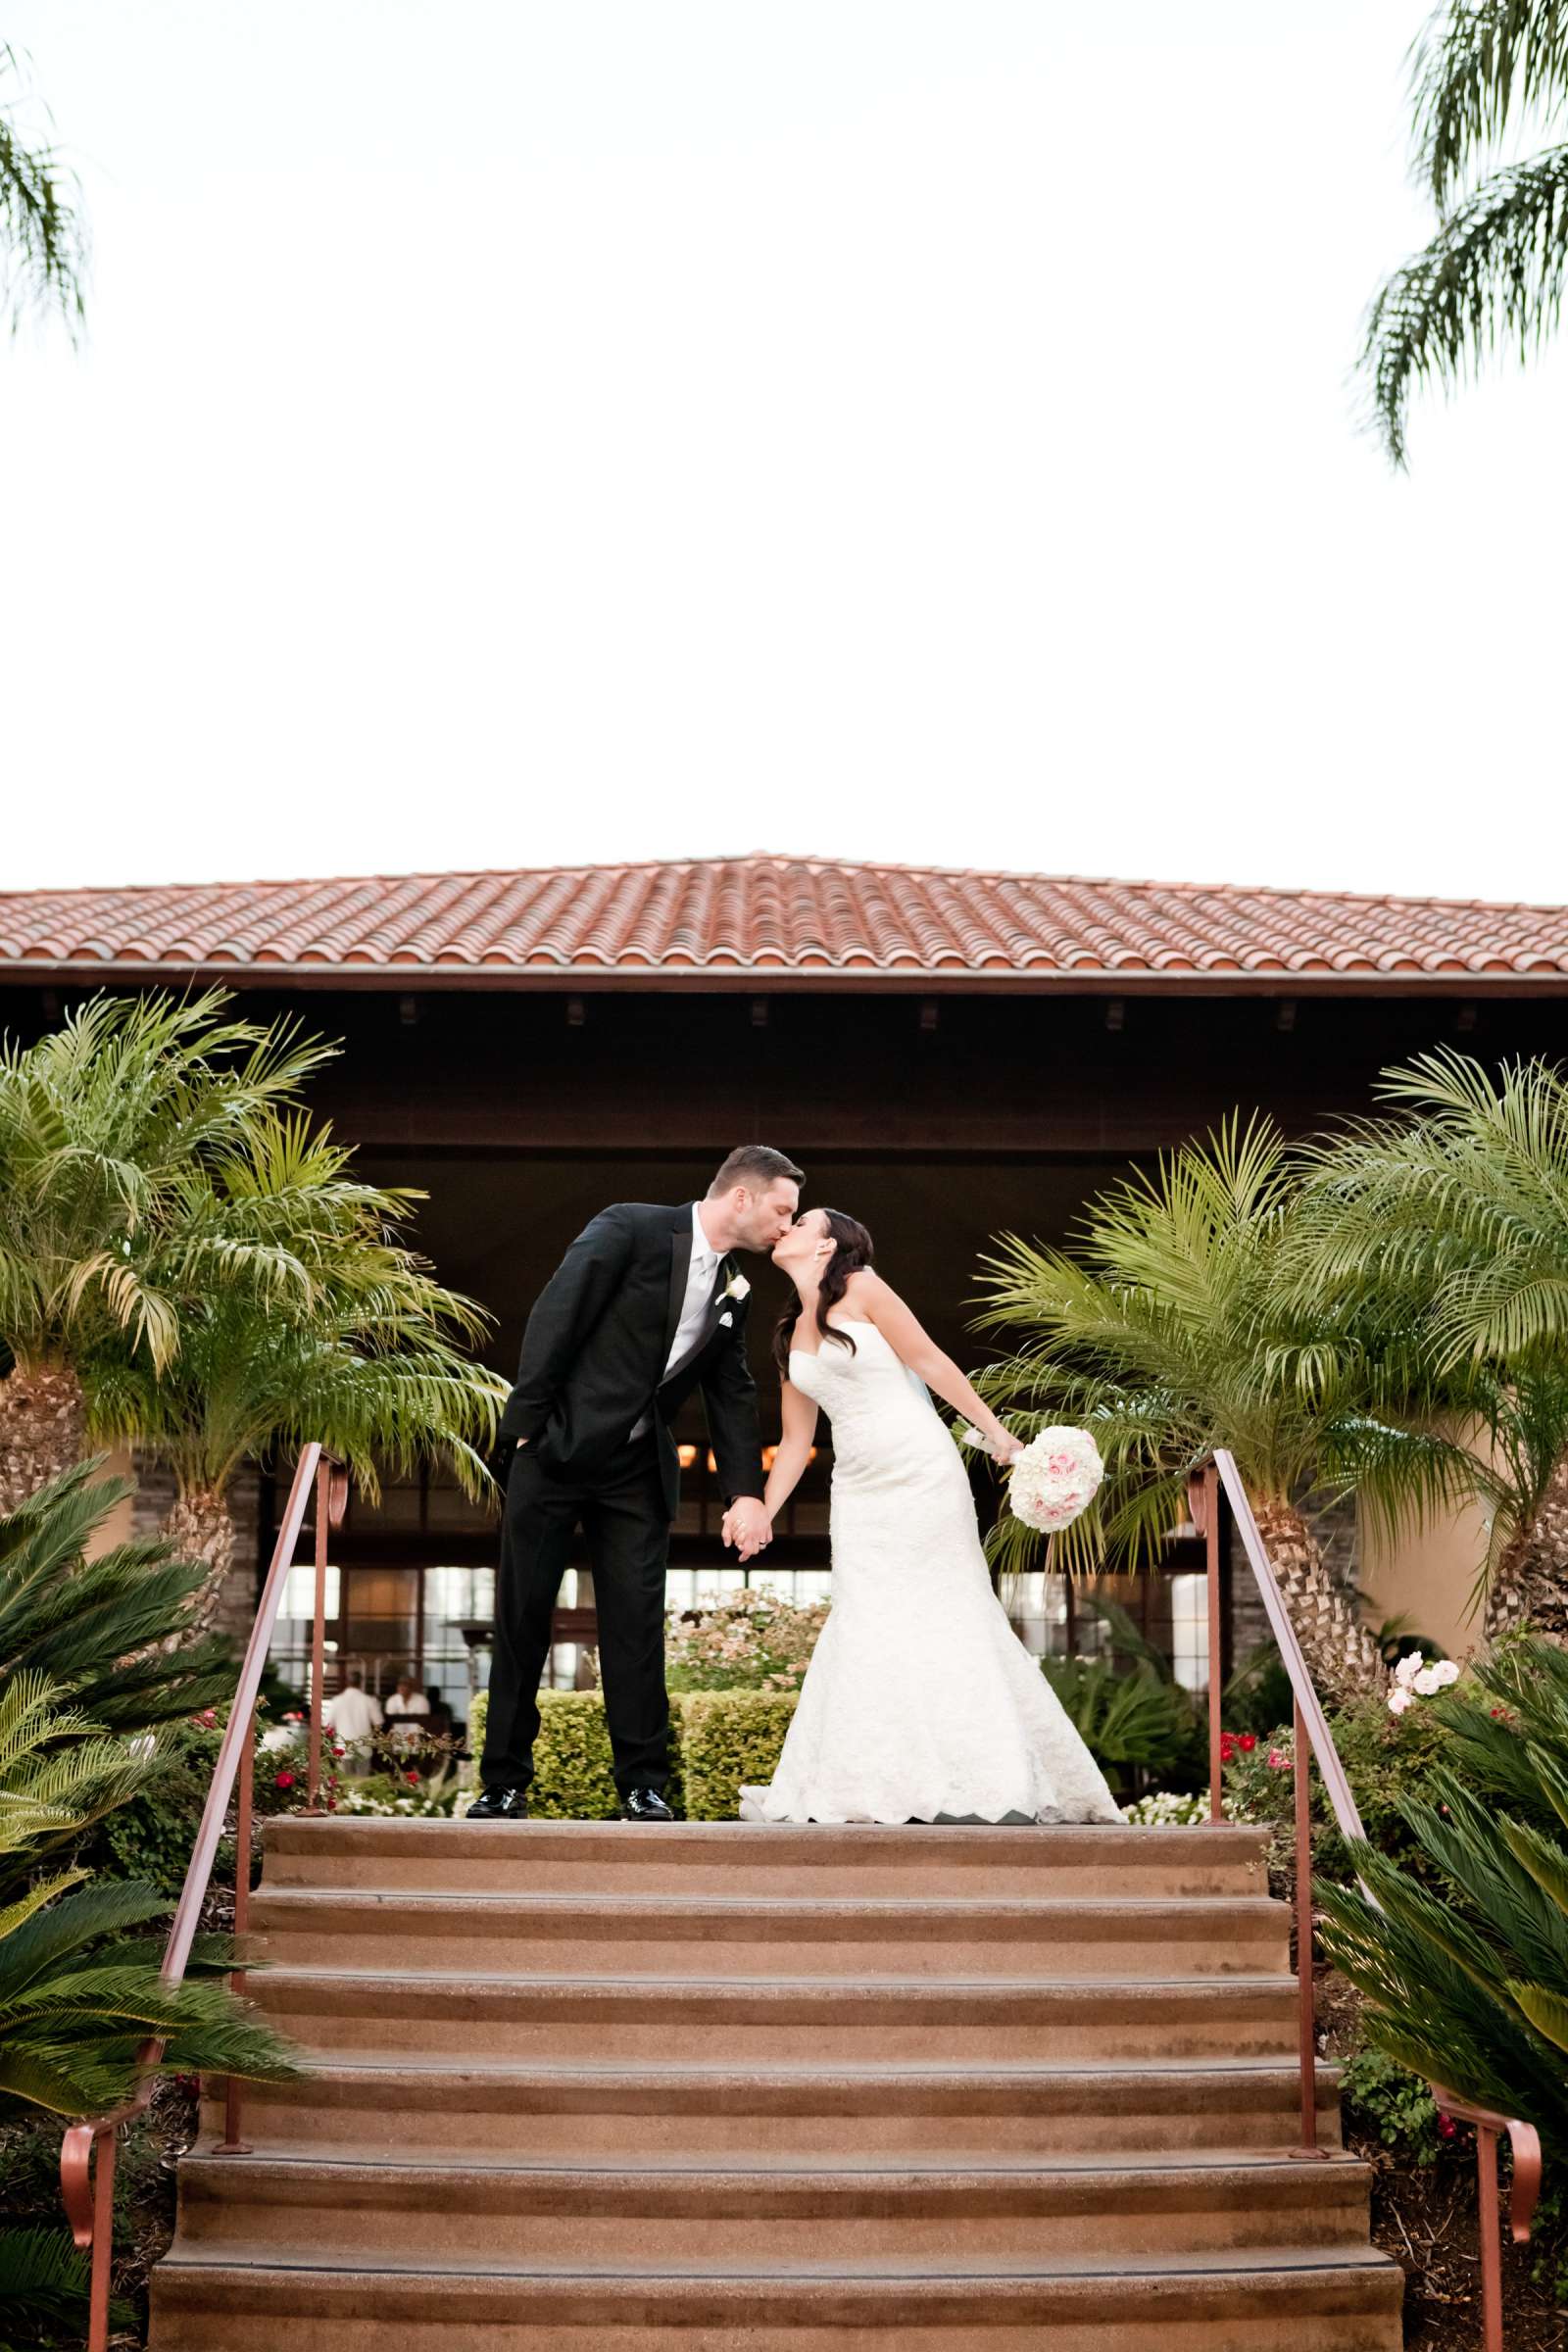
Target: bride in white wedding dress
x,y
920,1702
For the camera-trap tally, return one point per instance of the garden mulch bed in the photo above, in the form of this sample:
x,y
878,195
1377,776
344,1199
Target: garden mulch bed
x,y
1425,2216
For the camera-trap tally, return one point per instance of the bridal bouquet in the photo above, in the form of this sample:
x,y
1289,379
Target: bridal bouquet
x,y
1055,1477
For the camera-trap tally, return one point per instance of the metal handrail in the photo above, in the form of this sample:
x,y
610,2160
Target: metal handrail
x,y
1312,1737
88,2188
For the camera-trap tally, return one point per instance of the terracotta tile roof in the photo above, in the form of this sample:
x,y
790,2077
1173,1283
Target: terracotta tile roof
x,y
744,922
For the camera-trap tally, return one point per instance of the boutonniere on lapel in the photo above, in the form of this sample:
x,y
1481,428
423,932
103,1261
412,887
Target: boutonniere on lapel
x,y
735,1290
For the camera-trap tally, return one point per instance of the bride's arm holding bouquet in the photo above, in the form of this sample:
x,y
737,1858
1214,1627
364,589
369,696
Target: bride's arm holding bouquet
x,y
868,1295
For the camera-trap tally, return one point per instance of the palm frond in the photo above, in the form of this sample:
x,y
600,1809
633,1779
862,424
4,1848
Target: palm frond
x,y
1491,275
1480,65
43,236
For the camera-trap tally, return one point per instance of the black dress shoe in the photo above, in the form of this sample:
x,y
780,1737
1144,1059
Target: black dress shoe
x,y
643,1804
499,1804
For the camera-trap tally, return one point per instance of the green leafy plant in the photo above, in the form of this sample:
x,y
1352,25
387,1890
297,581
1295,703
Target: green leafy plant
x,y
1492,273
1123,1719
730,1739
1451,1215
1381,2100
81,1984
43,236
1467,1978
109,1127
101,1625
362,1350
1166,1336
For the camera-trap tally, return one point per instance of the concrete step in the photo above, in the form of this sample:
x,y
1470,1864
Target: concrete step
x,y
1264,2300
921,2022
846,2209
770,1935
369,2107
737,1858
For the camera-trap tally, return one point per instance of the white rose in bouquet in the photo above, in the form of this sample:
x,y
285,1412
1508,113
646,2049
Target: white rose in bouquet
x,y
1055,1477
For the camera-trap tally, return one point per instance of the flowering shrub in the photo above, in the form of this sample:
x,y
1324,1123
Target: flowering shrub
x,y
1414,1678
403,1796
747,1640
1170,1808
1056,1477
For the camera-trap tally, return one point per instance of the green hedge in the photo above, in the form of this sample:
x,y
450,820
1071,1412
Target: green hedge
x,y
727,1737
721,1738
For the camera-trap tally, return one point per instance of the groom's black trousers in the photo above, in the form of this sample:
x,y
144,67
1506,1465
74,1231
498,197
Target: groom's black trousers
x,y
623,1516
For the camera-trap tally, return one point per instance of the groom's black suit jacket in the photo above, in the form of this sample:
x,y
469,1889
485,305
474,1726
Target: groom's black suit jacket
x,y
596,1342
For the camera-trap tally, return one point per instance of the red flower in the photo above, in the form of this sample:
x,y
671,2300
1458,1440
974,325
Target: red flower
x,y
1246,1742
1448,2129
283,1780
412,1778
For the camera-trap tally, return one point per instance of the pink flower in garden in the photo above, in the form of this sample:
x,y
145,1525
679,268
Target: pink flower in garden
x,y
283,1780
296,1717
1278,1760
1448,2129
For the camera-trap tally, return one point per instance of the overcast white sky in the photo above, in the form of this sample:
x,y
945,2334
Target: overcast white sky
x,y
517,431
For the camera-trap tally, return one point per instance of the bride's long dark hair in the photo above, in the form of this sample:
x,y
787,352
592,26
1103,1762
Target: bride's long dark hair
x,y
853,1249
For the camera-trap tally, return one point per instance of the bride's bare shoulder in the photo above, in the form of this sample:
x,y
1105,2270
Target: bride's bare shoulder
x,y
865,1292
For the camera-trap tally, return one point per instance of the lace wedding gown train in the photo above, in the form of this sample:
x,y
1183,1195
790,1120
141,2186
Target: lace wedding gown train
x,y
920,1702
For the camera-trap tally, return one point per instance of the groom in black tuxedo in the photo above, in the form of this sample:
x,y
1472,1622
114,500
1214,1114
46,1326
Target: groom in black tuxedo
x,y
647,1304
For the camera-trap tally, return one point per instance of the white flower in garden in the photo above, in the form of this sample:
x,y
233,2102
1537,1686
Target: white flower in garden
x,y
1408,1668
1426,1682
1445,1672
1398,1699
1055,1477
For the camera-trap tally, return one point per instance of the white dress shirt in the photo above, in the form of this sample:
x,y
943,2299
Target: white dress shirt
x,y
701,1276
353,1714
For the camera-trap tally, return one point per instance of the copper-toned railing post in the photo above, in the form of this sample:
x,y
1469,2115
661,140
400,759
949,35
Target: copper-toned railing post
x,y
103,2236
1487,2217
319,1637
1217,1659
1489,2128
1306,2014
233,2144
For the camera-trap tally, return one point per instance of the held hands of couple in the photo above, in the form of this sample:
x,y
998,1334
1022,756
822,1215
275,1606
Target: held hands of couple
x,y
747,1526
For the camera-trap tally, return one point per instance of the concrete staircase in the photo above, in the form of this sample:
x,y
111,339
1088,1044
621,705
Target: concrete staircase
x,y
618,2088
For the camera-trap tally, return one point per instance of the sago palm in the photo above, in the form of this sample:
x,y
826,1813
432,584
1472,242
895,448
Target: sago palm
x,y
1469,1979
98,1625
1455,1214
1162,1335
106,1127
1491,276
368,1352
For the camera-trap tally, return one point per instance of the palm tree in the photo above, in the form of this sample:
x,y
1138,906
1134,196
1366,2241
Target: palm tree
x,y
369,1353
1492,273
1165,1338
43,239
107,1128
1458,1217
